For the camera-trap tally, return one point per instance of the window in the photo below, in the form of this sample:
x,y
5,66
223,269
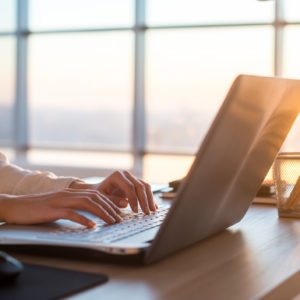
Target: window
x,y
192,12
184,89
7,71
291,10
7,16
80,90
80,14
131,83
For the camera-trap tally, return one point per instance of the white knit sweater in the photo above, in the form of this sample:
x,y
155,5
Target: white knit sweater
x,y
17,181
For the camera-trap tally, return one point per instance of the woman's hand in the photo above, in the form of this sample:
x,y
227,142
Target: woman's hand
x,y
48,207
123,188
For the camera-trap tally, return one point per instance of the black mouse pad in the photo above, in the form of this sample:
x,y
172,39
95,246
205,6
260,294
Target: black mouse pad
x,y
39,282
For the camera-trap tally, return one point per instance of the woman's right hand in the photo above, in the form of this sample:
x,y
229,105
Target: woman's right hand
x,y
52,206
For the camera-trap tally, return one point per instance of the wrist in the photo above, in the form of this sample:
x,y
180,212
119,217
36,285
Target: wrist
x,y
4,207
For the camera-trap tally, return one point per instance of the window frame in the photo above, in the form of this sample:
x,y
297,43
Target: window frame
x,y
21,143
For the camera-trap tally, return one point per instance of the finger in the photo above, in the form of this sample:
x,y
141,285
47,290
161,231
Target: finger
x,y
120,180
98,198
71,215
85,202
119,201
95,195
105,199
151,202
140,191
110,207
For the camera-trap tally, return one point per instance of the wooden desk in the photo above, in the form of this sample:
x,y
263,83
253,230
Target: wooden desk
x,y
240,263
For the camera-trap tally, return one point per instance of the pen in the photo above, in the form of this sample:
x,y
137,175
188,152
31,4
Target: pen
x,y
294,197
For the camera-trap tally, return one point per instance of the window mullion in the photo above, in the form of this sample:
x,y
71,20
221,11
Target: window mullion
x,y
21,120
138,132
279,37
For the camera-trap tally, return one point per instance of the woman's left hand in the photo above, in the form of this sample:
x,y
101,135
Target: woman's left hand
x,y
122,188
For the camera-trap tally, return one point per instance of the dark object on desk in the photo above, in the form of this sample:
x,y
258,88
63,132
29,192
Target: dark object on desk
x,y
10,268
43,283
175,184
265,190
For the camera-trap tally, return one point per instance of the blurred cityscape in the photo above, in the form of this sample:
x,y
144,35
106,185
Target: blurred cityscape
x,y
111,129
174,132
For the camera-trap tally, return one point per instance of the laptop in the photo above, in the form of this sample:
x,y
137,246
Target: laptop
x,y
229,167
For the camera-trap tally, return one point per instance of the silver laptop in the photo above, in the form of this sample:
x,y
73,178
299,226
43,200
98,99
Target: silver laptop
x,y
228,169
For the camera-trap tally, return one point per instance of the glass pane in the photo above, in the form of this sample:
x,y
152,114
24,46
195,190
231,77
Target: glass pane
x,y
292,142
292,10
170,12
69,14
84,159
7,74
291,69
291,60
165,168
188,74
80,89
7,15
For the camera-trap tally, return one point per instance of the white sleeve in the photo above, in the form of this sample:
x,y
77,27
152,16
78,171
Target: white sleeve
x,y
17,181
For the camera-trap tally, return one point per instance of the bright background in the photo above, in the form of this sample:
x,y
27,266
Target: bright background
x,y
81,78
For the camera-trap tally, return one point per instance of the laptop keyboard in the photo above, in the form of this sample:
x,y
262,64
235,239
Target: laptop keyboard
x,y
132,224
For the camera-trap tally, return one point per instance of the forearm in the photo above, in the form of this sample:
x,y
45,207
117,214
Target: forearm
x,y
18,181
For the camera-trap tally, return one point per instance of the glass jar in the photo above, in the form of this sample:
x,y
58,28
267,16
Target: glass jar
x,y
286,174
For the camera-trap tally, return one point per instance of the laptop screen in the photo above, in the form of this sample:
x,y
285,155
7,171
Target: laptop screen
x,y
232,161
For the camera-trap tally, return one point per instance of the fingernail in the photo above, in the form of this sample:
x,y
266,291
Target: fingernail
x,y
92,224
136,209
119,219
